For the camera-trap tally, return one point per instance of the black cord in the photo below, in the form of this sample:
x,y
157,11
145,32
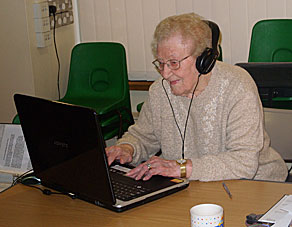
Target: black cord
x,y
185,129
44,191
52,10
49,192
17,180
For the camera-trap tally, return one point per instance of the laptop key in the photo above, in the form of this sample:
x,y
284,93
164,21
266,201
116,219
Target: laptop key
x,y
127,192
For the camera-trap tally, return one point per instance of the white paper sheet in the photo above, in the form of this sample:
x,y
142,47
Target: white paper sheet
x,y
14,157
280,214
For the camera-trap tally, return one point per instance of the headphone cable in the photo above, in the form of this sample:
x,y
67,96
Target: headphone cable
x,y
188,114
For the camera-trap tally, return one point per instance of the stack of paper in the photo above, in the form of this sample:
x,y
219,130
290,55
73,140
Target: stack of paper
x,y
14,157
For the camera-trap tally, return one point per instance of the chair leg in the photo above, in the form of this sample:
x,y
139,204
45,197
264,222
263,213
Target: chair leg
x,y
121,124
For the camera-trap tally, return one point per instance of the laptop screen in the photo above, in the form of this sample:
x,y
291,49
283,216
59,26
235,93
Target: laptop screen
x,y
66,147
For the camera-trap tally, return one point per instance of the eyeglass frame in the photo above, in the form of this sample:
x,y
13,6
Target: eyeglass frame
x,y
167,63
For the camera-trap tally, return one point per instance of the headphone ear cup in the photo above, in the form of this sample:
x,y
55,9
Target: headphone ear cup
x,y
206,61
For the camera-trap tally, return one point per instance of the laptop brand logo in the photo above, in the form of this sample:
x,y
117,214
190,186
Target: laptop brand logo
x,y
61,144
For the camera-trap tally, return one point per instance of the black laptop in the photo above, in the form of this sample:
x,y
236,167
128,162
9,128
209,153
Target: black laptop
x,y
67,152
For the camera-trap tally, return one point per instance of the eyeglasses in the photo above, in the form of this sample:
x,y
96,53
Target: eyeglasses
x,y
172,63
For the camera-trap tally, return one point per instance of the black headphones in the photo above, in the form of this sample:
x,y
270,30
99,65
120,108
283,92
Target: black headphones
x,y
206,61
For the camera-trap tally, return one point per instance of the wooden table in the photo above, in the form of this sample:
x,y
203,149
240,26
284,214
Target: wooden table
x,y
24,206
140,85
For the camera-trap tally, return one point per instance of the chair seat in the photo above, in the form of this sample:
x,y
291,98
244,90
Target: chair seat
x,y
115,117
114,130
110,111
139,106
103,106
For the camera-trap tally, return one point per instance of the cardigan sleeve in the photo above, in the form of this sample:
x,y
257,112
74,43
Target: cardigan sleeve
x,y
142,135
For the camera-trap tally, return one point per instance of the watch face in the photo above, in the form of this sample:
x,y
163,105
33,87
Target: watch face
x,y
181,161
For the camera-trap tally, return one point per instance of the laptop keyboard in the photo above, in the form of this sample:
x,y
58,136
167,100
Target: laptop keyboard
x,y
126,188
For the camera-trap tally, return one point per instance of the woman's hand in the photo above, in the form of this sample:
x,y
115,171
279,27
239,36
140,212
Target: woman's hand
x,y
155,166
123,153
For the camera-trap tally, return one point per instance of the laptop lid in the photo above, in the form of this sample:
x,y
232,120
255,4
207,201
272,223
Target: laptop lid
x,y
67,152
65,145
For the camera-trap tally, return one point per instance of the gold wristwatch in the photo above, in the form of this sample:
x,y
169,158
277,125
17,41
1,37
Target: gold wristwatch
x,y
183,170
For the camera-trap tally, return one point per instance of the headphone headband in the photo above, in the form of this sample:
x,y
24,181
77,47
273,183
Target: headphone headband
x,y
206,61
215,35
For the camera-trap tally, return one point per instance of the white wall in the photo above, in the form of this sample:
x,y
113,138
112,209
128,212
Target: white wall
x,y
15,61
132,23
24,68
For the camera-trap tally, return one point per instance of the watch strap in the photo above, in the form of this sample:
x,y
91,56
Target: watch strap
x,y
183,170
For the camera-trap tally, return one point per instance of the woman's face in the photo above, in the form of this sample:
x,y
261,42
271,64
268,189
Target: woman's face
x,y
182,81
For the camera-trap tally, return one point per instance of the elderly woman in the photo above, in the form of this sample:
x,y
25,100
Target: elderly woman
x,y
208,126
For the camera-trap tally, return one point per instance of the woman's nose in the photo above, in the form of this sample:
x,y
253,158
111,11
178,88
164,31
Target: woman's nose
x,y
166,72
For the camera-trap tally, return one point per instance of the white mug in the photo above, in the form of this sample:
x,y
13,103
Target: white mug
x,y
210,215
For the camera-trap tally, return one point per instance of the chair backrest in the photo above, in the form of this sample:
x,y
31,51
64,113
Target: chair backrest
x,y
271,41
278,123
98,69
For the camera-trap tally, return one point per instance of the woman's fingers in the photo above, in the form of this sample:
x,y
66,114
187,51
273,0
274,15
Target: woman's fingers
x,y
155,166
123,153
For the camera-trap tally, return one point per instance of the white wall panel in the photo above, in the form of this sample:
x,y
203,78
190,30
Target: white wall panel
x,y
166,8
238,31
276,9
289,8
185,6
221,15
119,24
87,20
118,21
257,10
136,46
150,7
103,20
132,22
203,8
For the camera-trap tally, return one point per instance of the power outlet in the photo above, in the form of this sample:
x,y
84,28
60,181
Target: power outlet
x,y
67,18
64,13
59,20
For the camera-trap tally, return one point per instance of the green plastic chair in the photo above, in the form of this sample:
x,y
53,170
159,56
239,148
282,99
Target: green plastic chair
x,y
16,119
98,79
271,41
